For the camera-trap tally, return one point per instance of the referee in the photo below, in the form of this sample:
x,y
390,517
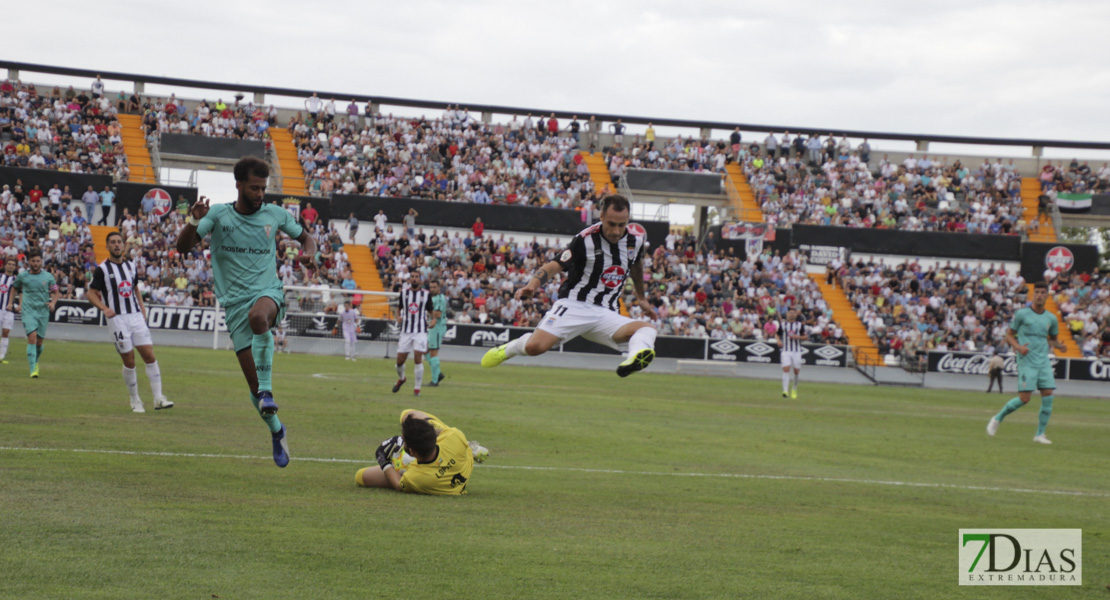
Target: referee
x,y
114,291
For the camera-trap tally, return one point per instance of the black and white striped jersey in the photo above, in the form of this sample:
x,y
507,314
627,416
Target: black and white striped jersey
x,y
116,284
414,305
6,282
787,329
596,268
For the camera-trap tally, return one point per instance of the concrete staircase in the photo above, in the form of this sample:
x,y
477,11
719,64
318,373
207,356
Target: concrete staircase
x,y
1030,190
292,174
365,271
100,246
599,172
845,315
134,148
741,197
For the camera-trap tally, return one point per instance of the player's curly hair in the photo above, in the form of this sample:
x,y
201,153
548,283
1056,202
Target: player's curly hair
x,y
250,165
419,434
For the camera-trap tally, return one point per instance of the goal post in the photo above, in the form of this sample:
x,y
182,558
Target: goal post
x,y
312,320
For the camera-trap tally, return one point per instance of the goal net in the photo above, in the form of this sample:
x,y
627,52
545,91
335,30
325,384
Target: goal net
x,y
313,322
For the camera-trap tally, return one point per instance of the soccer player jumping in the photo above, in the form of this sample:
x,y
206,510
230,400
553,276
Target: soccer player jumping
x,y
244,262
598,261
1032,330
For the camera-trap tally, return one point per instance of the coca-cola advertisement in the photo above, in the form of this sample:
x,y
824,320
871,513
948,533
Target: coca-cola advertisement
x,y
975,363
1089,370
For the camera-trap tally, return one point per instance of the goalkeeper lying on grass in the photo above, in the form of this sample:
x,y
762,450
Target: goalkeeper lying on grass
x,y
427,458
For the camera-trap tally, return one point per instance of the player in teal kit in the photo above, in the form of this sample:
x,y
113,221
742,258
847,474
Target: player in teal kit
x,y
38,294
1031,332
244,261
437,328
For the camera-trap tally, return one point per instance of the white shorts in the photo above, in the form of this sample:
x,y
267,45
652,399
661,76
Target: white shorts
x,y
569,319
350,335
413,341
7,318
791,359
128,331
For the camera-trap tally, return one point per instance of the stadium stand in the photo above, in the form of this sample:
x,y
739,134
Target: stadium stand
x,y
69,132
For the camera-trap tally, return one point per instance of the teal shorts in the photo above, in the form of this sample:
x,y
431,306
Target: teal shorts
x,y
35,322
435,339
1036,378
237,318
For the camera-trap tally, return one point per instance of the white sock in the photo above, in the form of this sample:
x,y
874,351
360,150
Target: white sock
x,y
643,339
154,374
3,348
796,374
785,382
516,347
401,371
418,375
132,382
347,347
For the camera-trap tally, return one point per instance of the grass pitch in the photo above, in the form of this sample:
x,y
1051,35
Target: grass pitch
x,y
655,486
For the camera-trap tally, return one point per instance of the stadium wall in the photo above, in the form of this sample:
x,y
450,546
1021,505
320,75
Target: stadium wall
x,y
976,363
196,319
907,243
438,213
210,147
130,195
1035,255
320,325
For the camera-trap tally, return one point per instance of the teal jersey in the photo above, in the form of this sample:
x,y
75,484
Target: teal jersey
x,y
36,290
1033,330
244,250
439,302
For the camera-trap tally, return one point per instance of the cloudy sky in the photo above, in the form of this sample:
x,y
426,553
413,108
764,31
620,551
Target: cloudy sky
x,y
1032,69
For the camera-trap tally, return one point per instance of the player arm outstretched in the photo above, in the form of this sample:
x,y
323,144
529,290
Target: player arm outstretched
x,y
540,278
636,273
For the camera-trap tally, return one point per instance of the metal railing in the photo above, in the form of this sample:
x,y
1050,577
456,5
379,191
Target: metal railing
x,y
736,203
156,156
1057,219
275,166
865,364
624,189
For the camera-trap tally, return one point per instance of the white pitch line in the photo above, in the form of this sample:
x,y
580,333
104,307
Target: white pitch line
x,y
814,478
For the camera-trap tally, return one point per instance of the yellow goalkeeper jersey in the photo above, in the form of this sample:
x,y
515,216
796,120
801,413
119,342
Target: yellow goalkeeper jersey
x,y
448,473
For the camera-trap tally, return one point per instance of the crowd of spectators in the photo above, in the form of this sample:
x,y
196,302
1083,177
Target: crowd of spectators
x,y
712,293
238,120
60,231
74,130
1084,303
826,181
909,309
453,158
1077,177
